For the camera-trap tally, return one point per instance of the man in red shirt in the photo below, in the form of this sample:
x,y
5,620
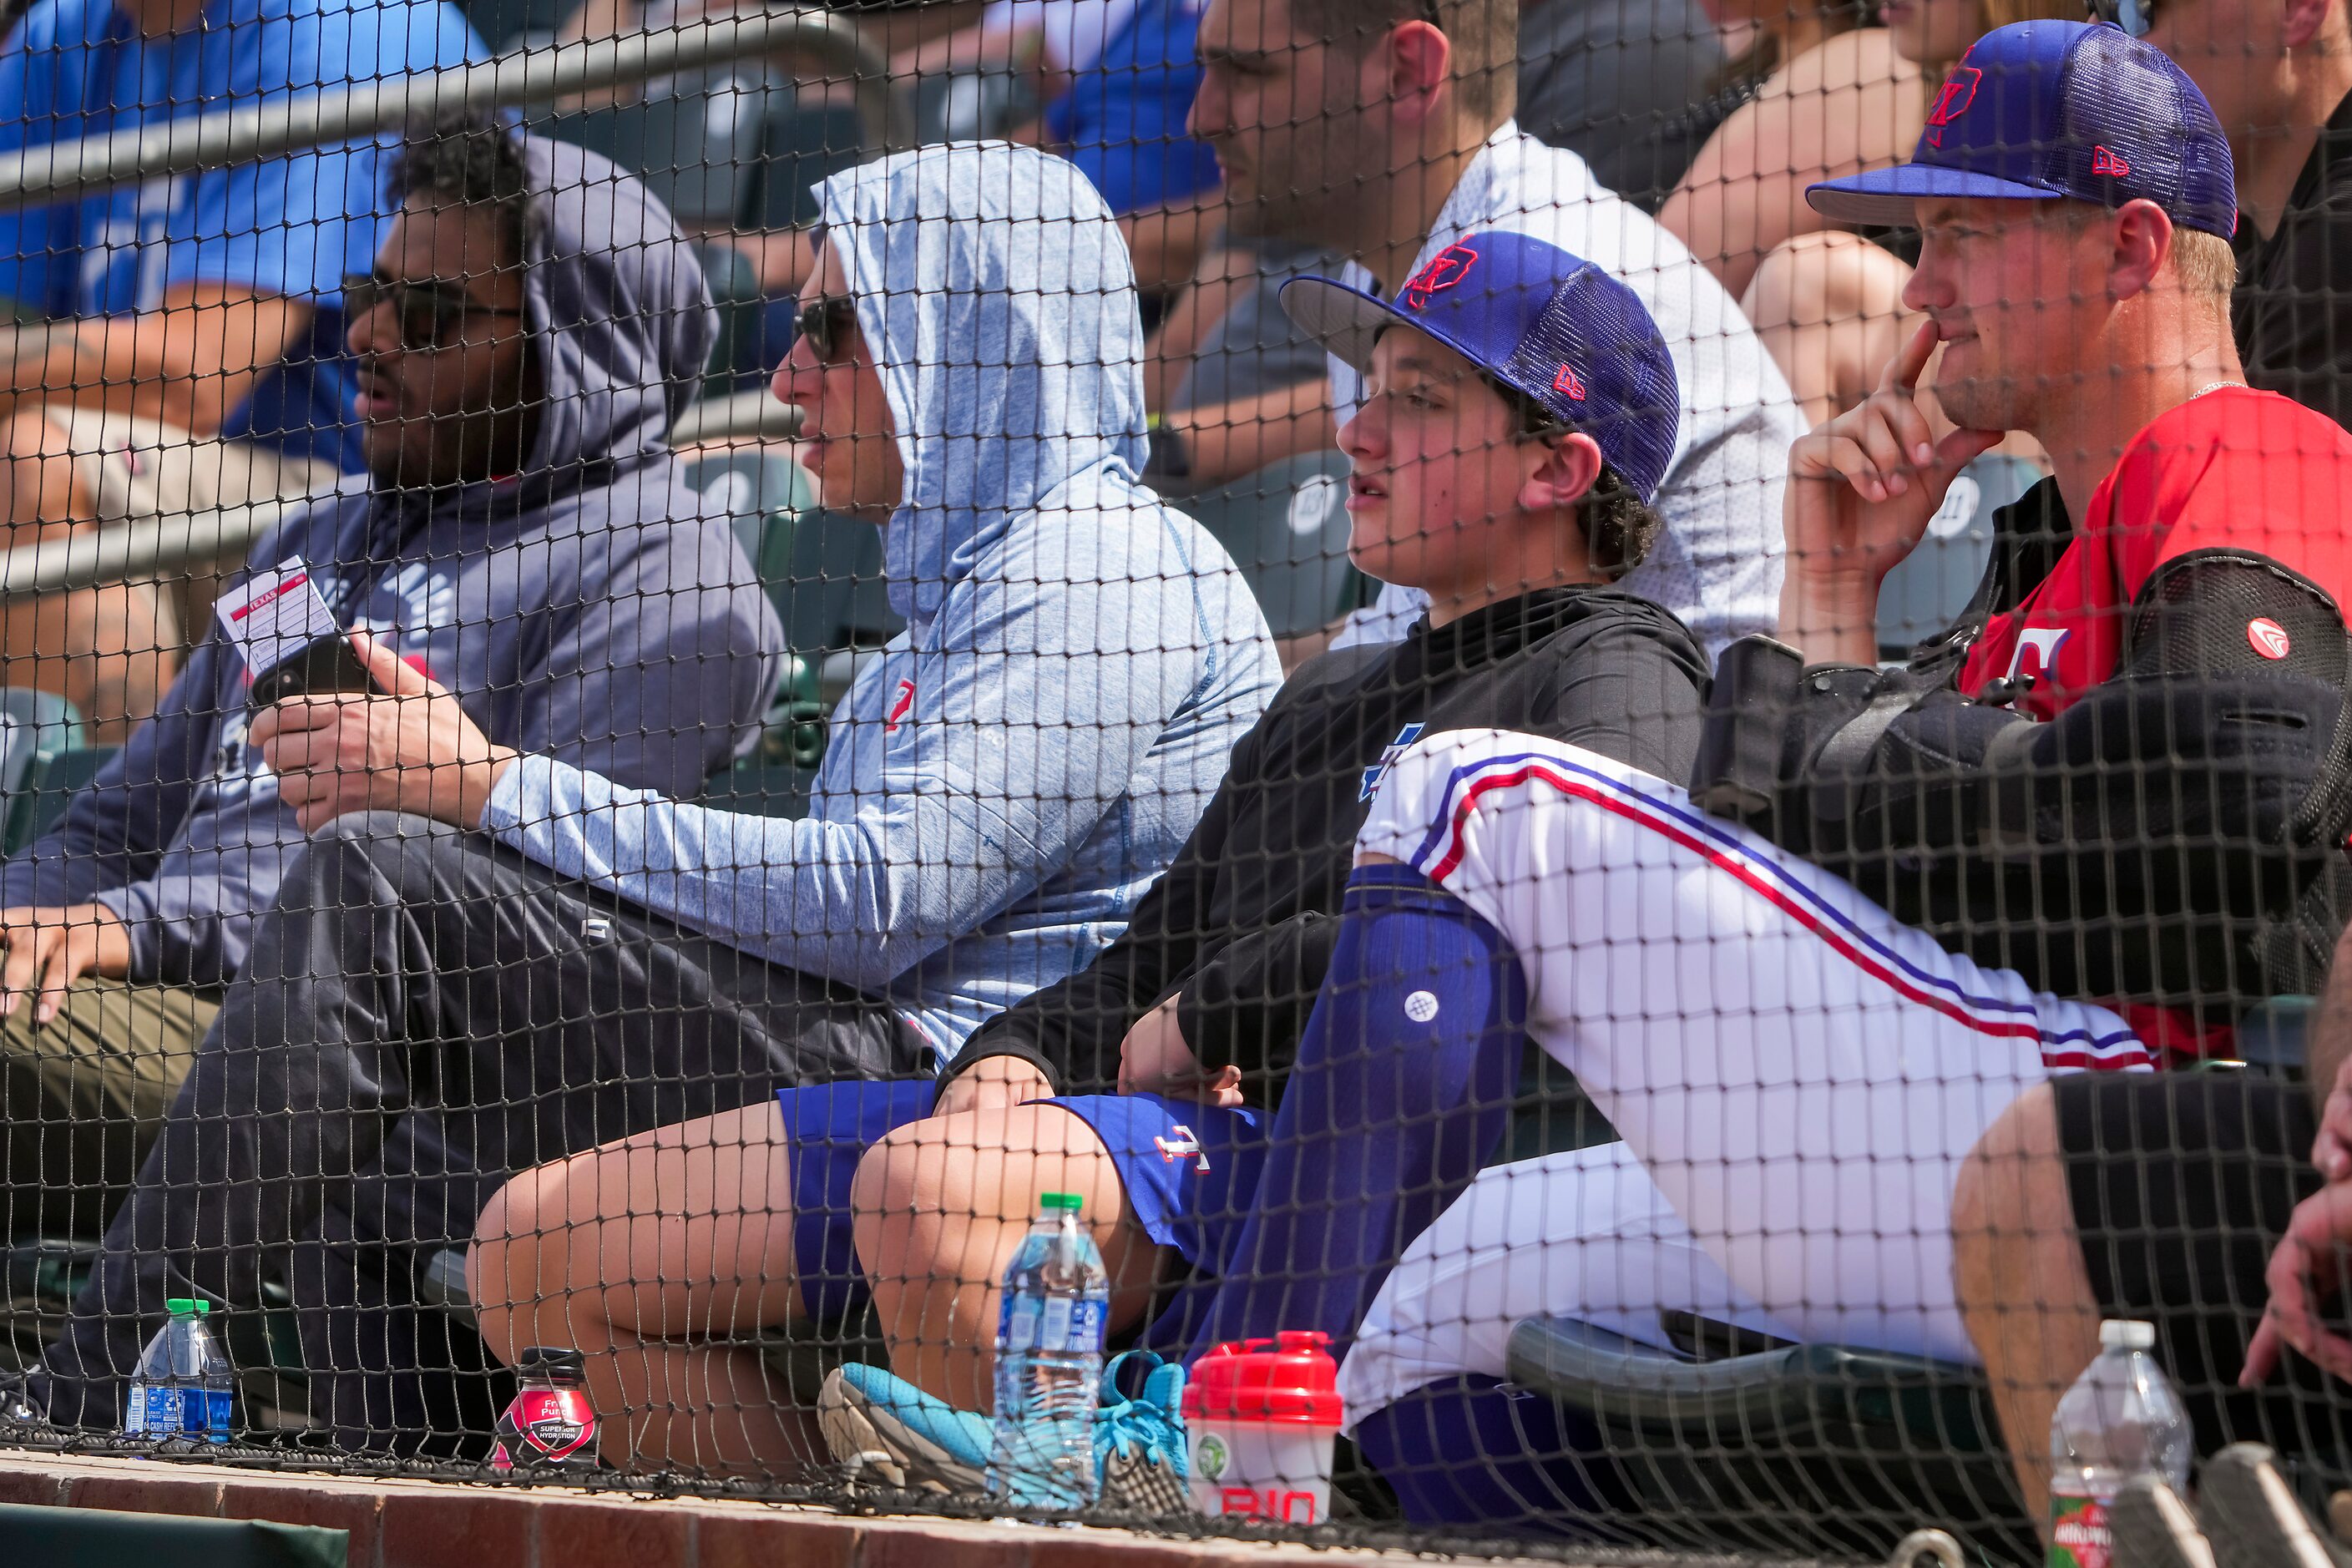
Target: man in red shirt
x,y
2077,831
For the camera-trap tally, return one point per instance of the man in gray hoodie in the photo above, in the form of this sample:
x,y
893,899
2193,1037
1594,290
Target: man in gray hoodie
x,y
534,326
546,958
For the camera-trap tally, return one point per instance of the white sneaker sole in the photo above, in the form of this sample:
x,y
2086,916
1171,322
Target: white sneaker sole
x,y
874,1445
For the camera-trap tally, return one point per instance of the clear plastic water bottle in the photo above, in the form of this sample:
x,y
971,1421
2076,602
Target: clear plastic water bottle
x,y
2121,1419
1049,1360
185,1385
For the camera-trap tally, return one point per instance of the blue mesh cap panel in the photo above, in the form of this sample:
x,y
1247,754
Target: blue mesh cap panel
x,y
1594,359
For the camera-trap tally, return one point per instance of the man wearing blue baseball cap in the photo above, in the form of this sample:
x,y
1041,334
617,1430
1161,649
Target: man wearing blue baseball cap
x,y
1522,409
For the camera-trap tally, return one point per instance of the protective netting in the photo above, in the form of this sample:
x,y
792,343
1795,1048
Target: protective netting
x,y
1635,706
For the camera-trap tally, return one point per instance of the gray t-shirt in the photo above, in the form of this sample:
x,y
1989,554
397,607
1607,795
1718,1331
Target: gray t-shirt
x,y
1617,83
1255,348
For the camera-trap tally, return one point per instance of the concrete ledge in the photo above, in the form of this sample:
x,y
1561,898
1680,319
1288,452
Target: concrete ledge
x,y
442,1524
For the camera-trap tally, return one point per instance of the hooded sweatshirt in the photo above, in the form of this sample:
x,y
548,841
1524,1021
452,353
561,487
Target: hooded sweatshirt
x,y
1010,776
594,608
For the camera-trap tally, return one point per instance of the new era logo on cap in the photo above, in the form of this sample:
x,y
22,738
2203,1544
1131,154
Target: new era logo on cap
x,y
1553,328
2057,111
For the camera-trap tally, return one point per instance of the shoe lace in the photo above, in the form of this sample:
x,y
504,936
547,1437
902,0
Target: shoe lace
x,y
1138,1427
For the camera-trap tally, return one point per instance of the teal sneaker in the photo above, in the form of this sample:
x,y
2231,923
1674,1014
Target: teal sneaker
x,y
1139,1442
885,1430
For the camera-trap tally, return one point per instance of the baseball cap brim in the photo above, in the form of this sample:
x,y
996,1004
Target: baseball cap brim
x,y
1346,321
1887,197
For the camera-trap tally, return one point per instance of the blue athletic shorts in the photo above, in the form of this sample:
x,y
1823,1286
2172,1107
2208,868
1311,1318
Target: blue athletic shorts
x,y
1190,1170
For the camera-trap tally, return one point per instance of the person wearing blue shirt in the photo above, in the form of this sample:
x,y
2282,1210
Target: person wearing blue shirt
x,y
1122,121
194,356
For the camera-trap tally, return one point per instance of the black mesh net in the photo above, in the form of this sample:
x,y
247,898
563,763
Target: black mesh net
x,y
1298,766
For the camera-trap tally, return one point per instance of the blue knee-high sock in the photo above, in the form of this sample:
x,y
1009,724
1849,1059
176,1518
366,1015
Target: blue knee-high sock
x,y
1401,1086
1470,1451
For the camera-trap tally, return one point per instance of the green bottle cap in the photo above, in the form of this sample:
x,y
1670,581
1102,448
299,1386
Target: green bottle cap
x,y
1070,1200
181,1307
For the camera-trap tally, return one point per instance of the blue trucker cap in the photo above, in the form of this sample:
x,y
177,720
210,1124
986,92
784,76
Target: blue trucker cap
x,y
2048,110
1549,325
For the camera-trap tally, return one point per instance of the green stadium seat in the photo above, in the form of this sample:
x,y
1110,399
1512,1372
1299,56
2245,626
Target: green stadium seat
x,y
1752,1445
37,730
805,141
1287,529
694,139
2272,1035
43,801
767,494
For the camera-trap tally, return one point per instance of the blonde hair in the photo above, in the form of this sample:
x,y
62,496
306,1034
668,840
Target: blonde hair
x,y
2205,264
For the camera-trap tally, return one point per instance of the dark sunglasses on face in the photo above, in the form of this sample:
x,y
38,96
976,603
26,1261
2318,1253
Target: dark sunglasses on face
x,y
431,315
826,324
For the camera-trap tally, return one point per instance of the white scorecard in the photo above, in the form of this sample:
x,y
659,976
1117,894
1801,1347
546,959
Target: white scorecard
x,y
275,614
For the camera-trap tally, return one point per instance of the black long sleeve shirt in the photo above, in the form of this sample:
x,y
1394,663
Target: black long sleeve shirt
x,y
1241,928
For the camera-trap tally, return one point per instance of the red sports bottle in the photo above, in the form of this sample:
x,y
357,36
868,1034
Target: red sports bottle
x,y
549,1425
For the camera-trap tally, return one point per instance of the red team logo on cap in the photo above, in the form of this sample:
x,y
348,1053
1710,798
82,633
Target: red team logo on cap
x,y
1446,268
1567,384
1959,90
2105,162
2269,637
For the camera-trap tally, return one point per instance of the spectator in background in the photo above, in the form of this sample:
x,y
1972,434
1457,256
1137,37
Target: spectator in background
x,y
1122,123
1828,302
1610,80
2280,80
592,609
195,358
1617,82
1364,126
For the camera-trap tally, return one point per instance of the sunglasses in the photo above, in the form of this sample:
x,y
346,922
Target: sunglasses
x,y
431,315
826,324
2134,17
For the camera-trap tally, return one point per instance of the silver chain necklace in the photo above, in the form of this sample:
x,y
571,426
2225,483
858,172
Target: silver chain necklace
x,y
2214,386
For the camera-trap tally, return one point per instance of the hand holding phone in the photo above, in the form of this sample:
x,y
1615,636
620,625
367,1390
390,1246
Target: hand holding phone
x,y
290,641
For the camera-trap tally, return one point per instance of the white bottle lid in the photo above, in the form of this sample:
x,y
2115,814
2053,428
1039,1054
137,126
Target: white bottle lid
x,y
2122,1333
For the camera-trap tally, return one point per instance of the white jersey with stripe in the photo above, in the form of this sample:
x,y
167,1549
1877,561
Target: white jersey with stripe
x,y
1800,1074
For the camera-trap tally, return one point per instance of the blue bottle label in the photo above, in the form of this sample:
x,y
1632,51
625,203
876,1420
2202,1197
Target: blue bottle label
x,y
1052,1323
168,1410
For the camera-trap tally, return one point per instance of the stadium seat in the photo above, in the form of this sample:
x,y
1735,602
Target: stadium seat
x,y
694,139
766,493
1928,591
1287,528
47,792
2271,1036
1746,1444
37,730
806,141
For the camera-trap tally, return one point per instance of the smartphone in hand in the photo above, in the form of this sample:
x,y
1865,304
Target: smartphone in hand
x,y
289,638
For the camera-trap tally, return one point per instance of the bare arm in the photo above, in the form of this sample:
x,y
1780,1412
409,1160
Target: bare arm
x,y
188,363
1220,279
1166,242
1848,105
1228,441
